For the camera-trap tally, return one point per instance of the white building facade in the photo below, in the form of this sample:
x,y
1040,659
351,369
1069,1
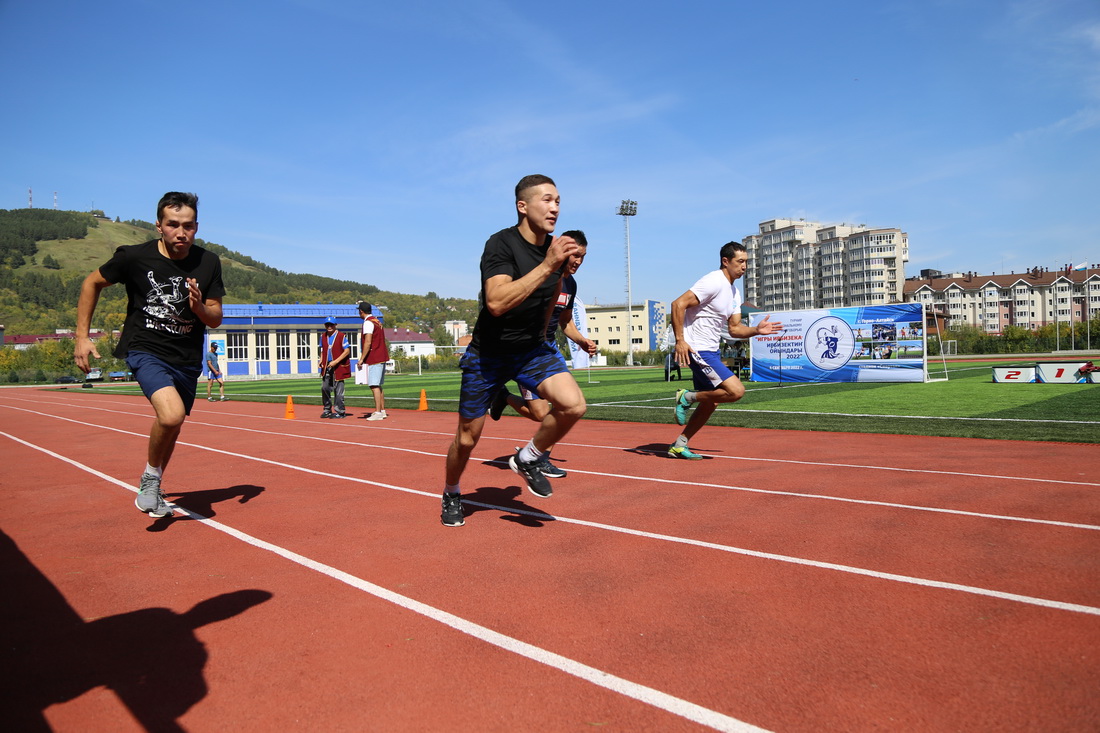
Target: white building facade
x,y
608,327
270,340
799,265
1029,300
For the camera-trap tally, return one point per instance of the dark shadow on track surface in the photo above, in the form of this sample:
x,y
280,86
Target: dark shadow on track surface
x,y
506,500
660,450
203,501
150,658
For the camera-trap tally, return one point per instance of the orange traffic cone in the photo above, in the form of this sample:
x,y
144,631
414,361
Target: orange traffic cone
x,y
289,408
423,400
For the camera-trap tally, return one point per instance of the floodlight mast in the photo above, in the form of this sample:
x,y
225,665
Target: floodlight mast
x,y
626,210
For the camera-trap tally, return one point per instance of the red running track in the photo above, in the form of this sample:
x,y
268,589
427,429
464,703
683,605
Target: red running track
x,y
794,582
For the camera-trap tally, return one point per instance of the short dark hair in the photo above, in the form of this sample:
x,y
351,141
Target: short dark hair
x,y
730,247
536,179
578,235
365,307
176,199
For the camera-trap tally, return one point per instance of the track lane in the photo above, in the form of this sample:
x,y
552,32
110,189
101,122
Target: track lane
x,y
820,617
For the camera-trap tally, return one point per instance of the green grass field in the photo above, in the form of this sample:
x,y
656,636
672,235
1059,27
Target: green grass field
x,y
968,404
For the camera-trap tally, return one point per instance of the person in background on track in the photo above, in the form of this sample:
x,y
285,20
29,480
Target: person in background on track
x,y
213,374
521,271
174,293
711,308
373,355
334,369
528,403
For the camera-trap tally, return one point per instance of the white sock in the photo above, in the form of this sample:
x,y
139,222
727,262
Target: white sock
x,y
153,471
448,489
681,442
529,453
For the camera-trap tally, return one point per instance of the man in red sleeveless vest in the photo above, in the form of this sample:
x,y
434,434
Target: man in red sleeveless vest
x,y
374,353
334,369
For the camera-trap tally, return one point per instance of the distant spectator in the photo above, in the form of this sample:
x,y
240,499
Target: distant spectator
x,y
334,368
373,355
213,374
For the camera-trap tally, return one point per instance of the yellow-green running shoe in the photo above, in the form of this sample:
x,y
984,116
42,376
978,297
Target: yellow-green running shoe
x,y
675,452
682,407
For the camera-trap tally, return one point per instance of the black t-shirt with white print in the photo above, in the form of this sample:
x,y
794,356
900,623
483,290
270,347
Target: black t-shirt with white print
x,y
523,327
159,320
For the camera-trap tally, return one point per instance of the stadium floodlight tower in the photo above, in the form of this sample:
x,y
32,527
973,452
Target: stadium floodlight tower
x,y
626,210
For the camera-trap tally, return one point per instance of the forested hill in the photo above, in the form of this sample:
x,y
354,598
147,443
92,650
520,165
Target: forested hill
x,y
45,255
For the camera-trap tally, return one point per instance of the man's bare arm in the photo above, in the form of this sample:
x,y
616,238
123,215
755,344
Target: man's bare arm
x,y
89,297
502,293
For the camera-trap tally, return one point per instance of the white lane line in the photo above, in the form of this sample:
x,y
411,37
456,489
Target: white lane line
x,y
788,461
641,693
858,414
850,569
724,487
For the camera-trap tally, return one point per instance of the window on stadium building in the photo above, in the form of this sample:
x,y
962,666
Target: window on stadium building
x,y
303,346
282,346
263,351
236,346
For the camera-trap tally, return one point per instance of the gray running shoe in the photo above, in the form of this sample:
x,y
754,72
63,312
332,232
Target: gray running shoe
x,y
150,498
452,511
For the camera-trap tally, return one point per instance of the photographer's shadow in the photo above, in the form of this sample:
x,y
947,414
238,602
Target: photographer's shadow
x,y
151,658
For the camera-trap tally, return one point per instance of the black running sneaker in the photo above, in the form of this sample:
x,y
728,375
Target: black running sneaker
x,y
550,470
499,403
452,511
532,473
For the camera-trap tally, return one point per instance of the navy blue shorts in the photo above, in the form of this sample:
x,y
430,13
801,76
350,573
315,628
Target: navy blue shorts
x,y
484,375
154,374
708,371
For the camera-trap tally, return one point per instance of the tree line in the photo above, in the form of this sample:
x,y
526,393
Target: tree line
x,y
22,229
42,296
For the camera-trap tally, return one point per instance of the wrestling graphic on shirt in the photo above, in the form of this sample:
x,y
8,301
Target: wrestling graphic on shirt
x,y
165,304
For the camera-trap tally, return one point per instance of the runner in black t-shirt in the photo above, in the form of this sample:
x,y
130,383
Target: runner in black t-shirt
x,y
528,402
521,271
174,293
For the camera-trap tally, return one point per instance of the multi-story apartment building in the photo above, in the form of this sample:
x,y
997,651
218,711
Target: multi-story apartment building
x,y
607,325
798,265
992,302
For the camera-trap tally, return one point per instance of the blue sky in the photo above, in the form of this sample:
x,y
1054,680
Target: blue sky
x,y
381,141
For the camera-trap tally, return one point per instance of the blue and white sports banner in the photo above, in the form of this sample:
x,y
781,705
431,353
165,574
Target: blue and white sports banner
x,y
580,320
882,343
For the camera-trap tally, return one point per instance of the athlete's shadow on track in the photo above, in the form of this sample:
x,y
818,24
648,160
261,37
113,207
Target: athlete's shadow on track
x,y
506,498
659,450
202,502
150,658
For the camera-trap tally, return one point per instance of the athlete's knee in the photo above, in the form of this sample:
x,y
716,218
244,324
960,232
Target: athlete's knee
x,y
466,438
574,410
538,409
732,392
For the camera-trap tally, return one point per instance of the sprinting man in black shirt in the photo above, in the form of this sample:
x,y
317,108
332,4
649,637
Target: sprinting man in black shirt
x,y
521,272
174,293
